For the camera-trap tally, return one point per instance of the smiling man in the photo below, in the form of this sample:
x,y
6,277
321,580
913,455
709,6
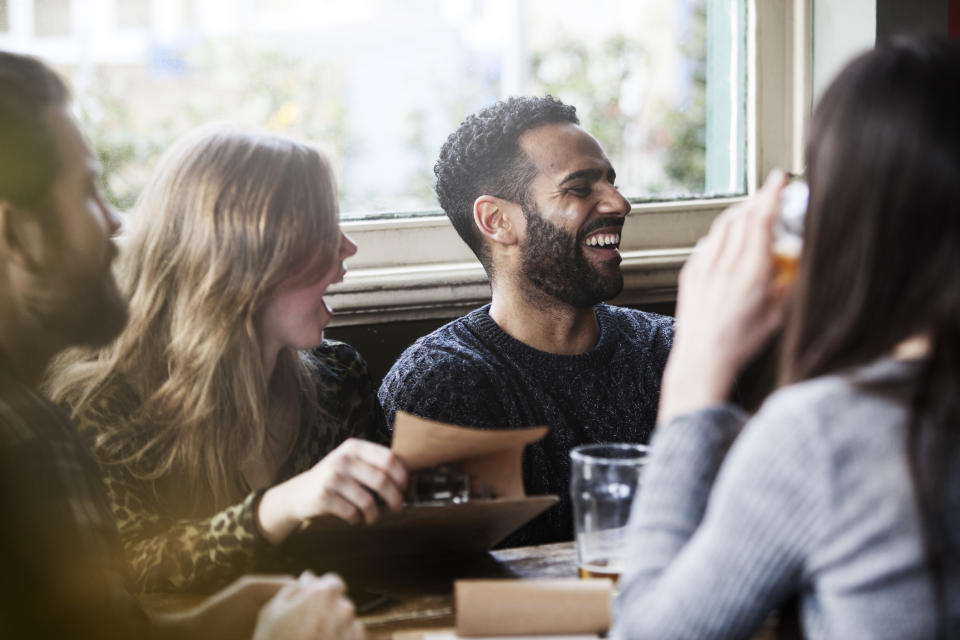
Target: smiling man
x,y
534,197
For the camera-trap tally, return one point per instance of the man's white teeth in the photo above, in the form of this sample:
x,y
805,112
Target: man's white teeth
x,y
604,240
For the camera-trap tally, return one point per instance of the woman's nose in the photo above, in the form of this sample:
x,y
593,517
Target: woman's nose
x,y
347,246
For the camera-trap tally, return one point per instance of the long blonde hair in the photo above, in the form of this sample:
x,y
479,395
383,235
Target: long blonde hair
x,y
227,217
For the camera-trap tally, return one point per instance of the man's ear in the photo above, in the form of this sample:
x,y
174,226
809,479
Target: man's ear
x,y
22,239
496,219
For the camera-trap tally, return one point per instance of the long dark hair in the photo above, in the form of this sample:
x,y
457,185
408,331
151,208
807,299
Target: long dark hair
x,y
881,258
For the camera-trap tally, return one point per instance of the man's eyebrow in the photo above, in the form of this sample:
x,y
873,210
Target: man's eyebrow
x,y
589,174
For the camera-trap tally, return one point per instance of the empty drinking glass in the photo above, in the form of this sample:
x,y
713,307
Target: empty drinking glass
x,y
604,479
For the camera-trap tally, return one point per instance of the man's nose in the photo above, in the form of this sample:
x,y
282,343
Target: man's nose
x,y
114,221
613,202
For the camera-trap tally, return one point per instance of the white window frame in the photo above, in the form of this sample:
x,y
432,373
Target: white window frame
x,y
418,268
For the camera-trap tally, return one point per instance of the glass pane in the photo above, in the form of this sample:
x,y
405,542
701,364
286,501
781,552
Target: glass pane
x,y
4,24
51,17
380,84
133,14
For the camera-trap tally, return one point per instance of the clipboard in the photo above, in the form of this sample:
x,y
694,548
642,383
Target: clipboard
x,y
491,458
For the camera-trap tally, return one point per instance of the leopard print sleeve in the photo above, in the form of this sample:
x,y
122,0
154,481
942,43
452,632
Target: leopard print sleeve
x,y
165,553
198,555
348,406
202,555
351,396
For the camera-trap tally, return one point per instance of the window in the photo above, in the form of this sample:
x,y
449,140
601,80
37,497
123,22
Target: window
x,y
4,20
381,84
394,278
51,17
133,14
690,99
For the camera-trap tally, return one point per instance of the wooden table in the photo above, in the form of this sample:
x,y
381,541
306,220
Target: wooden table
x,y
421,597
419,591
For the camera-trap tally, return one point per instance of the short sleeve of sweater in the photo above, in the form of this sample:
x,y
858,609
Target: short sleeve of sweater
x,y
441,382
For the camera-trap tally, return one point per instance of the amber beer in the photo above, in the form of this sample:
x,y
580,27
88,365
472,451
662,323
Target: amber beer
x,y
608,569
603,482
786,259
788,231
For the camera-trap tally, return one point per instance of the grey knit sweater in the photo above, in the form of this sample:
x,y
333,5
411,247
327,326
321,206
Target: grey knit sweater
x,y
814,499
469,372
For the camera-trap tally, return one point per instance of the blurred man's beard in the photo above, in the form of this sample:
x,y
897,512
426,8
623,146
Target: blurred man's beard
x,y
78,310
554,263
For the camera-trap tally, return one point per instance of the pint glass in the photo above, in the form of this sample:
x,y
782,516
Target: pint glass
x,y
788,230
604,480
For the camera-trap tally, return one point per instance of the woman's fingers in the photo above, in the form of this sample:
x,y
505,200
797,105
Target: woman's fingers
x,y
360,500
335,500
379,457
379,481
347,480
328,594
357,632
744,231
768,198
328,580
310,608
343,484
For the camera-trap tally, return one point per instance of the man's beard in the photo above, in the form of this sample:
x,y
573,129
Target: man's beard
x,y
554,263
79,309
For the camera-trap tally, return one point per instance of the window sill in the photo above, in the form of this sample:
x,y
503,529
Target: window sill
x,y
418,268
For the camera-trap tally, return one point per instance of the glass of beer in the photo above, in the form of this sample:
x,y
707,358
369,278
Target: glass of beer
x,y
604,480
788,230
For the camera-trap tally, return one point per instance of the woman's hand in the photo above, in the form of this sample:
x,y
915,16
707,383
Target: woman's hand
x,y
314,608
306,607
343,484
728,305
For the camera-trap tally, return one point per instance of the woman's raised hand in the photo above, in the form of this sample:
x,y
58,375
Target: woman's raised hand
x,y
343,484
728,304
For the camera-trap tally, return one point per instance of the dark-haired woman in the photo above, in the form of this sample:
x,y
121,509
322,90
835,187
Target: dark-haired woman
x,y
843,492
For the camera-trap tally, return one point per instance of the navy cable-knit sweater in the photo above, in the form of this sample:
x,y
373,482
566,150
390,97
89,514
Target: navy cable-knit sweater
x,y
471,373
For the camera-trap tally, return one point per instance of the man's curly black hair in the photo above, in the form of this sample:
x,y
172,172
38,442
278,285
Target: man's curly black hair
x,y
483,157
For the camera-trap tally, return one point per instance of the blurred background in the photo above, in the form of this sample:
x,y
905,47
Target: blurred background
x,y
379,84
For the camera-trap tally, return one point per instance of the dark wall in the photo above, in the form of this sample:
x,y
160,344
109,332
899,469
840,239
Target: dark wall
x,y
381,344
914,16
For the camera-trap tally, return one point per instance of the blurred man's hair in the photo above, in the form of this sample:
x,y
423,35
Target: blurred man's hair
x,y
28,159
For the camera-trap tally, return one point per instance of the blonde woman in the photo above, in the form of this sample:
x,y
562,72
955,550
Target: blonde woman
x,y
216,428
